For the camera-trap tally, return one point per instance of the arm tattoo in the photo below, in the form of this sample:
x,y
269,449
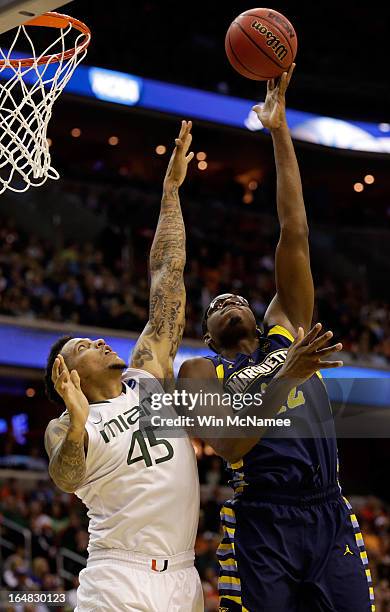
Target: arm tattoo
x,y
167,294
168,246
67,466
143,353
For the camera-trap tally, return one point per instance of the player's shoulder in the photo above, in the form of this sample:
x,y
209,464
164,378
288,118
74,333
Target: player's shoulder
x,y
199,367
279,335
62,421
135,374
56,431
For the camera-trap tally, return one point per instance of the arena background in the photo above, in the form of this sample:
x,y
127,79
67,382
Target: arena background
x,y
74,252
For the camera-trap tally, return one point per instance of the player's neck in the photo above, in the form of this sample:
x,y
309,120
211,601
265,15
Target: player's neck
x,y
106,389
246,346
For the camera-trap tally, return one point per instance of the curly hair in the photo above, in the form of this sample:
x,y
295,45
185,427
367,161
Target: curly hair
x,y
49,386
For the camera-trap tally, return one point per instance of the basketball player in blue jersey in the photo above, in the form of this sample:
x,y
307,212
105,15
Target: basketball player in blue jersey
x,y
291,542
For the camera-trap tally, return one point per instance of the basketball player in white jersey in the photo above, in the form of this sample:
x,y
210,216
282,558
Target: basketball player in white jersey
x,y
141,491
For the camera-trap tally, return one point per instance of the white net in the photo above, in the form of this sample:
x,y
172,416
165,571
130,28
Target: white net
x,y
27,95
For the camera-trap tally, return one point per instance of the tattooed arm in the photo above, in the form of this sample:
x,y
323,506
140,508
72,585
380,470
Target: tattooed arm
x,y
66,439
66,449
158,343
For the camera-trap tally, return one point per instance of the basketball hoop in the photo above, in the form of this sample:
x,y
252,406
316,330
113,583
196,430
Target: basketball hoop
x,y
28,89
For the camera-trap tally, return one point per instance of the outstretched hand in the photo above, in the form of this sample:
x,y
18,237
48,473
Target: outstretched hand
x,y
177,167
272,113
306,355
67,385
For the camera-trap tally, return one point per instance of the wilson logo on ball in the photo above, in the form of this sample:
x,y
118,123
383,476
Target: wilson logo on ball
x,y
282,22
261,44
272,41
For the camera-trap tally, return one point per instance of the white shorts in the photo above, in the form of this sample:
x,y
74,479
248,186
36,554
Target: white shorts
x,y
116,580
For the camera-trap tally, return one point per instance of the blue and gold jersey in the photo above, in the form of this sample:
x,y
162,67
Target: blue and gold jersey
x,y
307,460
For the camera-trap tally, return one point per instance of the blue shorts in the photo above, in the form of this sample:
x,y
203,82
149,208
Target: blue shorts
x,y
284,553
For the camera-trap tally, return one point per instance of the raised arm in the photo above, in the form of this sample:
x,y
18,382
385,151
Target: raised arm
x,y
66,439
294,301
158,343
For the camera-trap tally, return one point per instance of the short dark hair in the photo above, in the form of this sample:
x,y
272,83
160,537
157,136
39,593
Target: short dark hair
x,y
49,386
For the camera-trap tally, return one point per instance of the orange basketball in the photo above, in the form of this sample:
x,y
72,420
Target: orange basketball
x,y
261,44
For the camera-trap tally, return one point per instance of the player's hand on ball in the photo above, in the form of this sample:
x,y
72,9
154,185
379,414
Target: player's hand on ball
x,y
177,167
67,385
272,113
306,355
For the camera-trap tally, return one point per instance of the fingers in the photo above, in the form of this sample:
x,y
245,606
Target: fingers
x,y
185,133
258,108
283,83
321,341
187,142
55,371
270,85
330,349
182,129
63,366
285,79
325,365
75,378
183,143
61,380
59,366
311,335
290,72
300,336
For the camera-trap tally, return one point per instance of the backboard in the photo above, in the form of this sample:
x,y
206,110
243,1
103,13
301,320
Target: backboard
x,y
15,12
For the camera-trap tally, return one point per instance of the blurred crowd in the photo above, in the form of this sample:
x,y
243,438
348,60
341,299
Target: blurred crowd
x,y
57,521
104,282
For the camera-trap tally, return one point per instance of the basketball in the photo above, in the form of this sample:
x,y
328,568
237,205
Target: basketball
x,y
261,44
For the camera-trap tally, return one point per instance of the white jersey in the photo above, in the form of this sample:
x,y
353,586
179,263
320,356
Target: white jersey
x,y
142,492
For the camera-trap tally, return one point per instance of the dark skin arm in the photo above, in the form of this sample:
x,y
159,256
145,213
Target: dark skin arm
x,y
158,343
192,374
305,357
293,303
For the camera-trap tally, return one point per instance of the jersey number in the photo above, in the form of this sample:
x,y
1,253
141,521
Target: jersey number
x,y
295,398
151,440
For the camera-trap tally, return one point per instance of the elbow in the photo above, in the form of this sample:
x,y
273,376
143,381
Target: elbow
x,y
168,267
65,486
234,449
295,229
227,449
